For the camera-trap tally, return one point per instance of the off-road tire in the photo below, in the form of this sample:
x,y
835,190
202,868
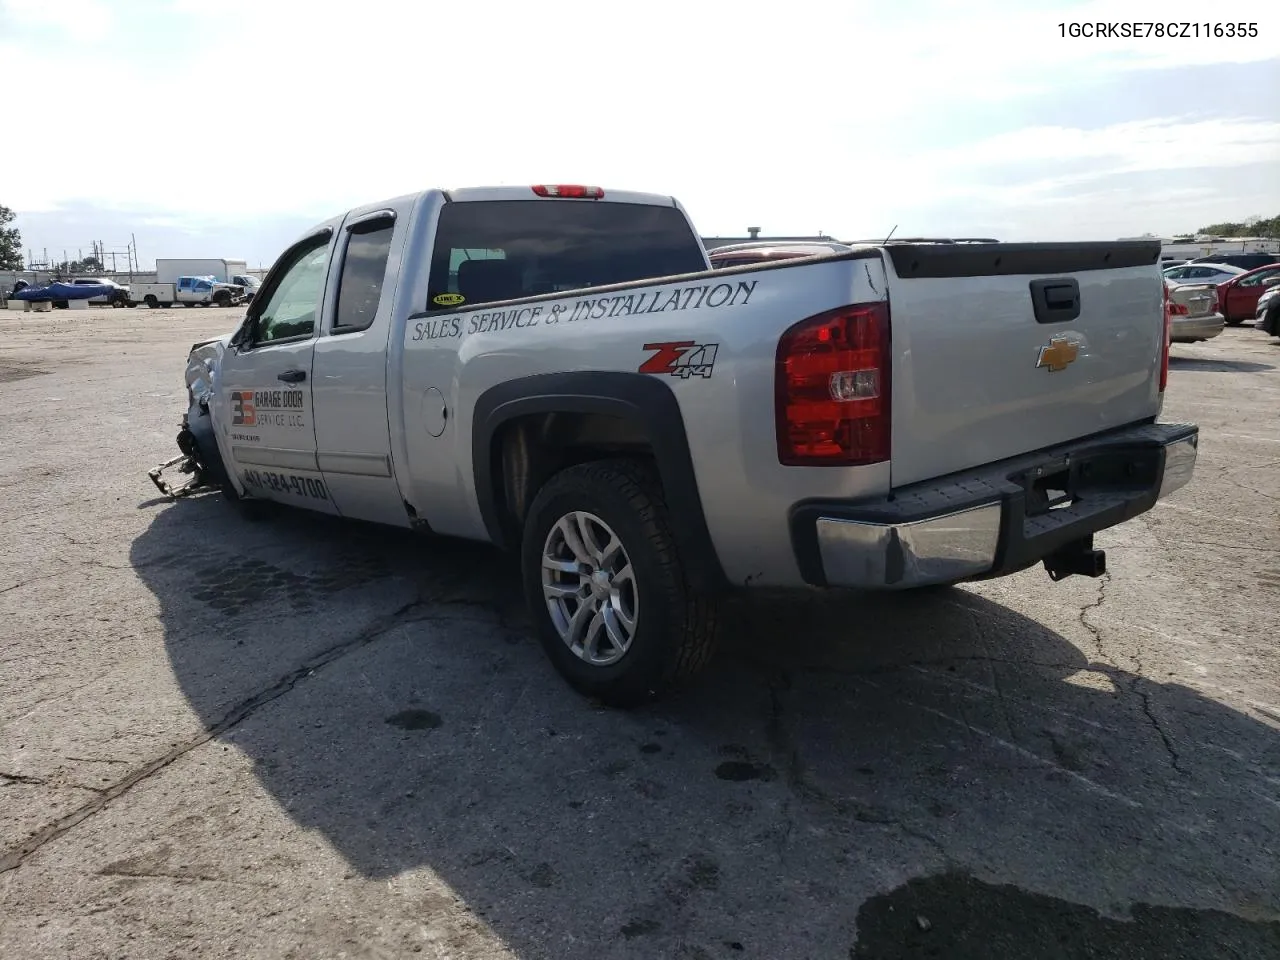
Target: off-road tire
x,y
676,628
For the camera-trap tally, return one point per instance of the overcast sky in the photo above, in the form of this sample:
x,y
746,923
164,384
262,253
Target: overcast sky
x,y
224,128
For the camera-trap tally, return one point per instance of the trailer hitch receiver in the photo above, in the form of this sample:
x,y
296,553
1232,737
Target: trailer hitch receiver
x,y
1078,556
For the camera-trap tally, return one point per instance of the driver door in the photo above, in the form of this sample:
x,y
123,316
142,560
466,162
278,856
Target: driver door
x,y
265,392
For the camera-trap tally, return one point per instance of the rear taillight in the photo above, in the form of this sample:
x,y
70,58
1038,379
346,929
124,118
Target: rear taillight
x,y
831,388
1168,336
569,191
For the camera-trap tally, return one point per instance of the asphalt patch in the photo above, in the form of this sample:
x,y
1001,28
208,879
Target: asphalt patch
x,y
415,720
957,917
740,771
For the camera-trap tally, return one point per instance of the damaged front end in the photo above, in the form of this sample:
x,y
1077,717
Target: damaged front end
x,y
200,460
188,462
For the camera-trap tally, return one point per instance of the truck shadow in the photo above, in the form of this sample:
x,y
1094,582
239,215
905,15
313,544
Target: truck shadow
x,y
1201,365
389,697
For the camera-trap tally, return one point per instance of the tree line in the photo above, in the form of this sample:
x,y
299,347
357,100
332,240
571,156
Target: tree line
x,y
1250,227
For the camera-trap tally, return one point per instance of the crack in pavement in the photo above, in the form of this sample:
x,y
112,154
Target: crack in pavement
x,y
1144,696
142,874
16,856
23,778
782,738
1096,632
985,639
27,583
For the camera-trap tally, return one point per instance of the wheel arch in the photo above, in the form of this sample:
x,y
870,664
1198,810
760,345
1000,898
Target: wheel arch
x,y
524,430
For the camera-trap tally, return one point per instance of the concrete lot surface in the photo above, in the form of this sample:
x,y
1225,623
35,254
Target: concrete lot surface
x,y
305,738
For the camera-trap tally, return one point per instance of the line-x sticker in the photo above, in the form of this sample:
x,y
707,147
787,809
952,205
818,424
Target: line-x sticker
x,y
683,359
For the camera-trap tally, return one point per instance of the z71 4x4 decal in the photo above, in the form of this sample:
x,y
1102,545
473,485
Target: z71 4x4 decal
x,y
682,358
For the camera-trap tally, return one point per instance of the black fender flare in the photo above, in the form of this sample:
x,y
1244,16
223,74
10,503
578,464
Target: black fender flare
x,y
637,397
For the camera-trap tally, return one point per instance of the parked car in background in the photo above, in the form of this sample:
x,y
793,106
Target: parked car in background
x,y
1214,273
119,296
1246,261
1193,312
1238,297
1266,316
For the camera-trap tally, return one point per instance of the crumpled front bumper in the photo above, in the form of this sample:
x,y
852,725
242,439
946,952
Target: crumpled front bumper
x,y
994,520
200,460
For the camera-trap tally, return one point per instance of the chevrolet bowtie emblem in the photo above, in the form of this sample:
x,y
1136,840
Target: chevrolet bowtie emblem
x,y
1057,355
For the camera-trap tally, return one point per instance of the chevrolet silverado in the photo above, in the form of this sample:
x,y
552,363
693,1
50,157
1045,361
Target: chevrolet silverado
x,y
557,370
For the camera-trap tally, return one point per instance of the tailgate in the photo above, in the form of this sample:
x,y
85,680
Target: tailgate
x,y
1002,349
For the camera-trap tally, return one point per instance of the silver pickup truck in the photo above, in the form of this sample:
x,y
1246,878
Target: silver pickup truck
x,y
557,370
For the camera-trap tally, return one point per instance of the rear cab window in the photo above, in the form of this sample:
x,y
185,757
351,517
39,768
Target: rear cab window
x,y
507,249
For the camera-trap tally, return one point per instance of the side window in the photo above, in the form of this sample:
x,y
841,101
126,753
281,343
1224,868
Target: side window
x,y
289,310
364,267
1259,278
204,286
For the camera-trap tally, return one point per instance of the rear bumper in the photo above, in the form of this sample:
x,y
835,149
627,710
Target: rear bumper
x,y
1190,329
993,520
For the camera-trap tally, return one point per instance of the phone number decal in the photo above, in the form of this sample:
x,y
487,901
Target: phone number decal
x,y
286,483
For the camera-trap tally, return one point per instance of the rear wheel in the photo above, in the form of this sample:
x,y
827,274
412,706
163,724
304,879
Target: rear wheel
x,y
607,589
151,301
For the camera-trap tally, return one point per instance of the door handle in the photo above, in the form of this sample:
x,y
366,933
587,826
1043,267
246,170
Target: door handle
x,y
1055,300
292,376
